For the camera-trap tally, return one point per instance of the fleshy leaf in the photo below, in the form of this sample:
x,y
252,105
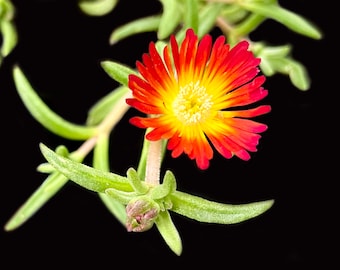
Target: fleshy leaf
x,y
121,196
138,26
299,76
85,176
97,7
234,13
246,26
191,14
44,115
116,71
207,18
277,59
9,36
115,207
53,183
101,162
288,18
203,210
103,106
170,19
168,186
169,232
295,70
138,185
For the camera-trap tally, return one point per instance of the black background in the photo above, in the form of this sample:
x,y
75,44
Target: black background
x,y
60,50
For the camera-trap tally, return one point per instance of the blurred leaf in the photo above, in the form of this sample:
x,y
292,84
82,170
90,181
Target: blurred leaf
x,y
191,15
248,25
170,18
97,7
299,76
103,106
295,70
101,162
118,72
277,59
288,18
9,36
138,26
207,18
115,207
53,183
233,13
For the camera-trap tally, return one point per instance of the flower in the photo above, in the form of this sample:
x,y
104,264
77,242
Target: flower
x,y
193,97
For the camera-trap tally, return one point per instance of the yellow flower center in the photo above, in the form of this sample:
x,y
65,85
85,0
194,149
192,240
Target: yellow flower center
x,y
192,103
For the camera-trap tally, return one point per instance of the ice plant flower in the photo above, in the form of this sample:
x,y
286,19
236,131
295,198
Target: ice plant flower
x,y
193,96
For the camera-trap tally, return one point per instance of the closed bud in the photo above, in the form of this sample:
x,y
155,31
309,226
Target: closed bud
x,y
141,214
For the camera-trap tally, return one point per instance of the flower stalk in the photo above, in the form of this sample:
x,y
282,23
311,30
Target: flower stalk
x,y
153,163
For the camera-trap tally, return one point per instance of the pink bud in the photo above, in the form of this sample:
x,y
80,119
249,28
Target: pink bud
x,y
141,214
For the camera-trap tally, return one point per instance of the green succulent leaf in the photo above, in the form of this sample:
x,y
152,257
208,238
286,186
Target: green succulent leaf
x,y
248,25
115,207
90,178
53,183
170,19
299,75
103,106
44,115
295,70
191,16
233,13
203,210
277,59
288,18
62,151
207,18
139,186
138,26
169,232
101,162
116,71
121,196
9,37
97,7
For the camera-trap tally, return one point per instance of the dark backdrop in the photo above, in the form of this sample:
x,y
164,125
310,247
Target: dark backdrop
x,y
60,50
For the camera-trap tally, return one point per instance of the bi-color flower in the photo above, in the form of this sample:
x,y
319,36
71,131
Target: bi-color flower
x,y
197,94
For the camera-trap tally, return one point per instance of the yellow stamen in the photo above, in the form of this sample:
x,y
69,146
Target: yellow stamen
x,y
192,104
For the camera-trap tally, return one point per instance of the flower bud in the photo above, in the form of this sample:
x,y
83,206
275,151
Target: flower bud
x,y
141,214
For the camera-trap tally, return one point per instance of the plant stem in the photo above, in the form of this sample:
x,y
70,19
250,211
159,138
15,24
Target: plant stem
x,y
153,163
115,115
